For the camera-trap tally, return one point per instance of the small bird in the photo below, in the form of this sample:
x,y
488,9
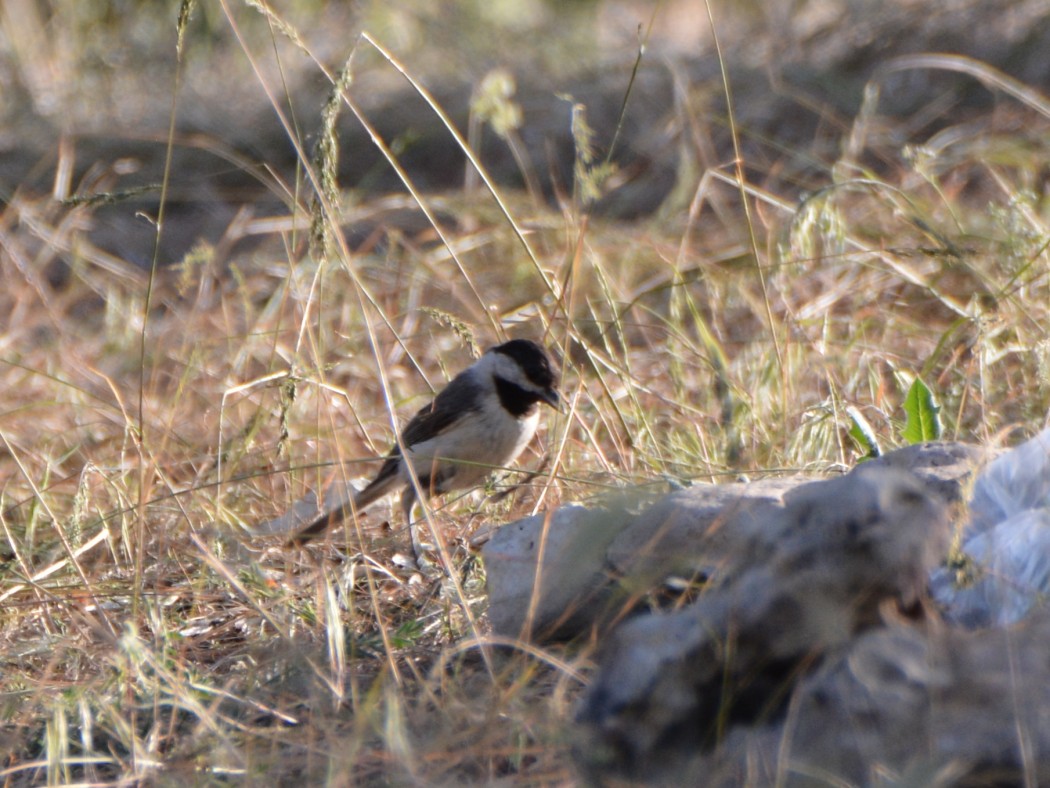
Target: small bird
x,y
481,421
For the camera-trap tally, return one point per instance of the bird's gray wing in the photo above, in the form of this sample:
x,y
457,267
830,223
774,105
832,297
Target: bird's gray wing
x,y
455,402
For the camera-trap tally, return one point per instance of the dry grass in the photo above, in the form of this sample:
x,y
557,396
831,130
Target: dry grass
x,y
148,421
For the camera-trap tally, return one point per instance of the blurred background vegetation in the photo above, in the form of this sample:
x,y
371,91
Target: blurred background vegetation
x,y
103,75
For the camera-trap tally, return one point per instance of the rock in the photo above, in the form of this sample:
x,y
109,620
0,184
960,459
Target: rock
x,y
546,575
946,467
814,654
691,533
1004,567
927,706
651,548
1016,481
594,560
805,579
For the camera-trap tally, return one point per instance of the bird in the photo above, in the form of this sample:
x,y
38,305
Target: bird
x,y
482,420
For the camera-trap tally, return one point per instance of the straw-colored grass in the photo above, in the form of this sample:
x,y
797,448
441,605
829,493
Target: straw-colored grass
x,y
148,420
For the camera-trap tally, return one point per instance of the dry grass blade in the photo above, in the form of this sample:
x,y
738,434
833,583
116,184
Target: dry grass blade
x,y
475,162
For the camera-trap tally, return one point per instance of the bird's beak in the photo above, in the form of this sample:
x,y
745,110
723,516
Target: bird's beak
x,y
550,396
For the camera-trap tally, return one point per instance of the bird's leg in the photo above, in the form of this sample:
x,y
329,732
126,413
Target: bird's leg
x,y
419,548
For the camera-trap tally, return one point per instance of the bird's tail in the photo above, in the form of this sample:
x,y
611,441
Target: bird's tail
x,y
337,510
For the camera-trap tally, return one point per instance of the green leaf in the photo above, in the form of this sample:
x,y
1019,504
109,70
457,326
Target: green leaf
x,y
923,422
861,432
